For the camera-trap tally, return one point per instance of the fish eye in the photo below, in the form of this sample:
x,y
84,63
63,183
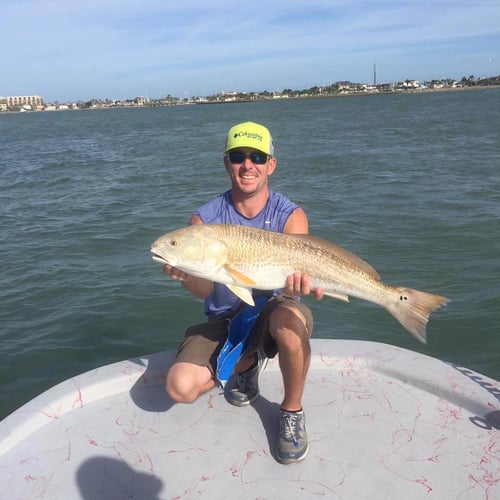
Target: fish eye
x,y
173,243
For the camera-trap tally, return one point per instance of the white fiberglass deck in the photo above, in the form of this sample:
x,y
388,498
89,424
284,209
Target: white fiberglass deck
x,y
383,422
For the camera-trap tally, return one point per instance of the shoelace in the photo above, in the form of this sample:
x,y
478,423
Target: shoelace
x,y
291,429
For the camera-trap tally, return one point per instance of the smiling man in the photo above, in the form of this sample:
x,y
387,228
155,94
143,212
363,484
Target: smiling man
x,y
280,324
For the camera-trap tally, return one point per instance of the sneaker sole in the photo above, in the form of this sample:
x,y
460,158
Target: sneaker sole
x,y
240,404
289,461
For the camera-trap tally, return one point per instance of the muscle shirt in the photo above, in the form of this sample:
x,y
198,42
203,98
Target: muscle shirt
x,y
221,210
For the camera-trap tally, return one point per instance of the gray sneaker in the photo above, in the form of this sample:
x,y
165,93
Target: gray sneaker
x,y
292,443
246,390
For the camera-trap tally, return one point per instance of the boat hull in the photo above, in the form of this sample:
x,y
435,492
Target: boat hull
x,y
383,422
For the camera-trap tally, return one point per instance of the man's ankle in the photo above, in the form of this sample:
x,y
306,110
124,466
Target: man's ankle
x,y
282,408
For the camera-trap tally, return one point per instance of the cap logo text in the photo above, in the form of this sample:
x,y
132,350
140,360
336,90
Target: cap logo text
x,y
250,135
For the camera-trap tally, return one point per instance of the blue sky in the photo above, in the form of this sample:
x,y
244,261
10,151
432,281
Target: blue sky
x,y
79,49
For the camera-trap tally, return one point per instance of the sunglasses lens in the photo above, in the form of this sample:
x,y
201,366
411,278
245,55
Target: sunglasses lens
x,y
237,157
258,158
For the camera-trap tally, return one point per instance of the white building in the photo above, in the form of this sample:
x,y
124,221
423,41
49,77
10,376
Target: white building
x,y
24,100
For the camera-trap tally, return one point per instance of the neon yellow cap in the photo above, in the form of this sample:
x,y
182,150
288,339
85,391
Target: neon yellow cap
x,y
250,135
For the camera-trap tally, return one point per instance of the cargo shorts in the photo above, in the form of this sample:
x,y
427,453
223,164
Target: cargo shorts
x,y
202,343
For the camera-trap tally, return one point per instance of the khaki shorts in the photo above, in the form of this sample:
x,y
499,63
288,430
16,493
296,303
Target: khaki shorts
x,y
202,343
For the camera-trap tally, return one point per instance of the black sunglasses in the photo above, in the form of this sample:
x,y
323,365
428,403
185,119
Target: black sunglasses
x,y
237,157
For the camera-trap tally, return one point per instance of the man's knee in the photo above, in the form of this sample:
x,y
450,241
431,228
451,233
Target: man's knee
x,y
287,320
176,389
184,384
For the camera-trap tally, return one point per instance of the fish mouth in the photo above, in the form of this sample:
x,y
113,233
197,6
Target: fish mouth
x,y
159,258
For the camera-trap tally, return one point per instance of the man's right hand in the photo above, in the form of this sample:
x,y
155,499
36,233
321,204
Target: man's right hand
x,y
200,287
175,274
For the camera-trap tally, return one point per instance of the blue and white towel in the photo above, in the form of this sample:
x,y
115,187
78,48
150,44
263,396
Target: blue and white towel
x,y
238,339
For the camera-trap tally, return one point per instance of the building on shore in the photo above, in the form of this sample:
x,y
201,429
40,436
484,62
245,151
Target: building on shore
x,y
23,101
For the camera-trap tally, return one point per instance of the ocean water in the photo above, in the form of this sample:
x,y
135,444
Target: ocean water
x,y
410,183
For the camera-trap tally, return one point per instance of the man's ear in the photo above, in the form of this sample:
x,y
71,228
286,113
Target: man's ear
x,y
226,162
271,165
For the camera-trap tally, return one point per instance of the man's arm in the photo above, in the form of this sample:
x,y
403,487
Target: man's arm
x,y
297,223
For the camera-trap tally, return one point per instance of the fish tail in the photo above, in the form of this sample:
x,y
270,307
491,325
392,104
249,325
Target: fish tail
x,y
413,308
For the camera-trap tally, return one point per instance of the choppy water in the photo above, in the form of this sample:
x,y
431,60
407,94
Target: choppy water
x,y
409,182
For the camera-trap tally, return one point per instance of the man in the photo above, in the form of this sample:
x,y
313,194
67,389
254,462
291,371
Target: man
x,y
283,325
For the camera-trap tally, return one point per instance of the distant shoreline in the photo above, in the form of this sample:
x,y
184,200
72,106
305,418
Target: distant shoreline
x,y
354,94
268,99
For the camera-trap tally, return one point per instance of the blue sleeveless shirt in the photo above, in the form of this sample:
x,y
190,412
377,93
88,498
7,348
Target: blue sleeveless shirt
x,y
221,210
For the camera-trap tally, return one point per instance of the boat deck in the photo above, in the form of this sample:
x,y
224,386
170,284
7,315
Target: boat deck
x,y
383,422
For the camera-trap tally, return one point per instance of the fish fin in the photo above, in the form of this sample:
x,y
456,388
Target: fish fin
x,y
339,296
344,254
245,294
238,276
413,308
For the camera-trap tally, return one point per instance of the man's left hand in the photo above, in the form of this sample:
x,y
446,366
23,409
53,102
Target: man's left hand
x,y
299,284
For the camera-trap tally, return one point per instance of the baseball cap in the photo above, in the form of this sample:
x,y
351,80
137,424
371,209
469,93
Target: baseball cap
x,y
250,135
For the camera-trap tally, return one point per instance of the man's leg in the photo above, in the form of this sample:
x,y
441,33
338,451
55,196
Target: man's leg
x,y
192,373
283,326
288,329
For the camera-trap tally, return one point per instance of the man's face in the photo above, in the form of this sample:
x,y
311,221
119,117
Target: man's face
x,y
249,169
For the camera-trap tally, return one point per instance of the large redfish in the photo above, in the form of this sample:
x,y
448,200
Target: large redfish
x,y
244,258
